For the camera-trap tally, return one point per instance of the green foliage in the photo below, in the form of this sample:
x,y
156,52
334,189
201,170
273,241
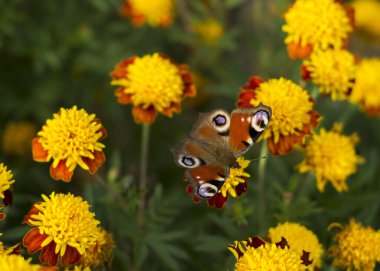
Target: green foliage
x,y
59,53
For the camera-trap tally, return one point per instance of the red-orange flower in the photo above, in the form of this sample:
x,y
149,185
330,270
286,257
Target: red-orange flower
x,y
63,228
71,138
293,116
152,84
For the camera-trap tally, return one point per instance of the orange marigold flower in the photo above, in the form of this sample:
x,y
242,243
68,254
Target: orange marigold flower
x,y
71,138
155,13
357,247
366,91
293,115
255,254
63,227
316,24
332,156
152,84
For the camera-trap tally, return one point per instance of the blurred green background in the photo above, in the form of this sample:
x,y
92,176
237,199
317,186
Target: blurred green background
x,y
59,53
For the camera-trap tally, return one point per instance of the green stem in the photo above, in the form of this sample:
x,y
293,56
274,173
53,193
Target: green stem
x,y
261,181
113,192
143,171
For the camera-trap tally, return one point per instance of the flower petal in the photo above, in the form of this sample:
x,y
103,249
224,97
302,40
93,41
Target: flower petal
x,y
71,256
48,255
33,240
61,172
39,153
94,164
142,115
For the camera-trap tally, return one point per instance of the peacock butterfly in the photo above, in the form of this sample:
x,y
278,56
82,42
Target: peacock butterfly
x,y
214,143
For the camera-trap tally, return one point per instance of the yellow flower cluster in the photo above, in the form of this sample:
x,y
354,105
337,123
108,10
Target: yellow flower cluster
x,y
209,31
357,247
290,105
333,71
299,239
366,91
332,156
17,138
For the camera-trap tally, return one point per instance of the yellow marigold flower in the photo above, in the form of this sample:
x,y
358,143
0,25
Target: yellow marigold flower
x,y
366,91
152,84
332,70
299,239
16,262
357,247
6,180
293,114
254,254
100,253
367,13
209,31
332,156
155,13
17,138
71,138
63,227
316,24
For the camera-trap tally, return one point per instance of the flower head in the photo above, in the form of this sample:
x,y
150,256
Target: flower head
x,y
299,239
209,31
367,13
63,227
155,13
16,262
293,115
332,156
357,247
316,24
152,84
17,137
254,254
71,138
100,253
333,71
6,181
366,91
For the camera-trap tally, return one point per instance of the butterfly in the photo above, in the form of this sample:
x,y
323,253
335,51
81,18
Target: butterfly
x,y
215,141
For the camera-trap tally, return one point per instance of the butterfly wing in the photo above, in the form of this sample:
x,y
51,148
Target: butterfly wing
x,y
206,154
247,124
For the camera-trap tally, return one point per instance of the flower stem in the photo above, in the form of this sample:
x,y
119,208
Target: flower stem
x,y
261,178
114,193
143,171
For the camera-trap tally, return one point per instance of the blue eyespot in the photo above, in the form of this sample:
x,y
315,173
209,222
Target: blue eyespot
x,y
219,120
260,120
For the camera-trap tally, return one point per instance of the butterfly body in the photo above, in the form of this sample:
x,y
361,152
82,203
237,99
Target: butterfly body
x,y
214,143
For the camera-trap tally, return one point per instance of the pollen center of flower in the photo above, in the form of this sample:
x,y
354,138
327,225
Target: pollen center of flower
x,y
154,81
